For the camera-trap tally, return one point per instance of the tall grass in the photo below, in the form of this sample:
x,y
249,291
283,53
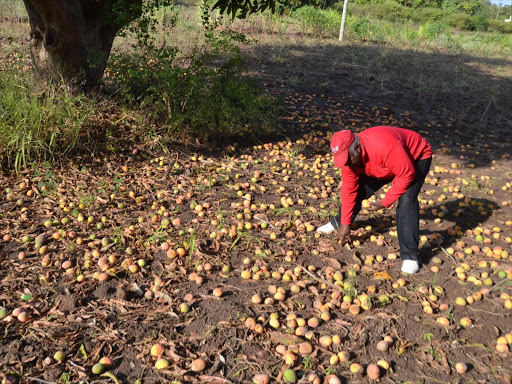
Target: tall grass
x,y
325,23
36,125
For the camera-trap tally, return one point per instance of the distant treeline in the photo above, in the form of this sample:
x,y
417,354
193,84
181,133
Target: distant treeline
x,y
467,15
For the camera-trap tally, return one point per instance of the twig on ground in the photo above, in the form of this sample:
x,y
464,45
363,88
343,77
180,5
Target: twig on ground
x,y
315,277
207,379
447,254
38,380
498,284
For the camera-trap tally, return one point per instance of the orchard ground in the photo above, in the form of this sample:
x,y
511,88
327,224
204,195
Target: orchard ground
x,y
213,255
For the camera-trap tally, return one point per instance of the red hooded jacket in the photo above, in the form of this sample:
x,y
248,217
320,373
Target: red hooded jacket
x,y
388,153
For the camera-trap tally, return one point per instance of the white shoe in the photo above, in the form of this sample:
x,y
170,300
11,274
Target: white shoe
x,y
327,228
410,267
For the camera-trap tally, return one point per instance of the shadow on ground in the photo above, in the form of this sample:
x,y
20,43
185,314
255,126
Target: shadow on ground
x,y
458,98
468,218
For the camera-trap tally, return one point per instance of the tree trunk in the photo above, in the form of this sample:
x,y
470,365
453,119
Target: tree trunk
x,y
70,40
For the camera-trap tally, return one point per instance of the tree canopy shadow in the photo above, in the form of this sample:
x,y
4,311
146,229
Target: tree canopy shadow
x,y
468,218
457,98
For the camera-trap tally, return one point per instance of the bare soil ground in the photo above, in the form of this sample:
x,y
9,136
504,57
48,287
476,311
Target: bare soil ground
x,y
119,217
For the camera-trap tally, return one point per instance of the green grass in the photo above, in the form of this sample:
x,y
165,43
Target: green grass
x,y
425,36
37,125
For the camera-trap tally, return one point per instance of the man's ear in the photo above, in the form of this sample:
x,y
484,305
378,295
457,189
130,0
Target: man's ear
x,y
358,148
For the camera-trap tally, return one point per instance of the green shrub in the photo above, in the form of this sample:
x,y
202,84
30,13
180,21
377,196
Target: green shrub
x,y
480,22
431,31
291,6
429,15
499,26
37,125
459,21
365,30
317,21
456,14
208,97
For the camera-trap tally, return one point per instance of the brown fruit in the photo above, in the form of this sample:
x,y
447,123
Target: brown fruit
x,y
198,365
373,371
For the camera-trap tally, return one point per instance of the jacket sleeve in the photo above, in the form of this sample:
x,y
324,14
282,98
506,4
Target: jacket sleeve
x,y
399,162
349,187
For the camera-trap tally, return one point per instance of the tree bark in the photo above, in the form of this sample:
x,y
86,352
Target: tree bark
x,y
70,40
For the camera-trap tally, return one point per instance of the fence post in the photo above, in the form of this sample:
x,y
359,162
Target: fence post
x,y
343,19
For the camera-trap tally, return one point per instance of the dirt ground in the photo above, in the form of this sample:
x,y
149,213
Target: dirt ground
x,y
107,256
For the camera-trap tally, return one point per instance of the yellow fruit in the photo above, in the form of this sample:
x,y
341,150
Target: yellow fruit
x,y
157,350
383,364
161,364
461,368
466,322
356,368
443,321
344,356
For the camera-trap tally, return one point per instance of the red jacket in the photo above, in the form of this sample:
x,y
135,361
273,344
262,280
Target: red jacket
x,y
388,153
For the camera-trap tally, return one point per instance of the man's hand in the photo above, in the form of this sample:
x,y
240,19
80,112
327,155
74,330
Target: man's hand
x,y
375,206
343,232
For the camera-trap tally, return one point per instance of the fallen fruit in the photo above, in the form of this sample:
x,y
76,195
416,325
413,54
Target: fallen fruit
x,y
157,350
3,313
261,378
373,371
290,376
198,365
466,322
59,356
161,364
106,361
443,321
98,369
332,379
356,368
461,368
382,346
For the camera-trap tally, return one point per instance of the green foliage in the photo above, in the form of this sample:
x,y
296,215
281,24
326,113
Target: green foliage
x,y
470,7
460,21
499,26
37,125
317,21
463,15
242,8
431,31
363,29
206,96
293,5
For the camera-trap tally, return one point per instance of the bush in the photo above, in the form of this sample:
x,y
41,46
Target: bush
x,y
480,23
34,125
209,97
394,12
317,21
460,21
365,30
292,5
431,31
499,26
429,15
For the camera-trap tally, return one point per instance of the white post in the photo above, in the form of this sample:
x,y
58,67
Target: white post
x,y
343,18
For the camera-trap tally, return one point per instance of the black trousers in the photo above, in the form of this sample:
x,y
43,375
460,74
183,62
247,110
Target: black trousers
x,y
407,212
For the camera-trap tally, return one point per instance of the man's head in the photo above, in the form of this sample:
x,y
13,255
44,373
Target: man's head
x,y
346,149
